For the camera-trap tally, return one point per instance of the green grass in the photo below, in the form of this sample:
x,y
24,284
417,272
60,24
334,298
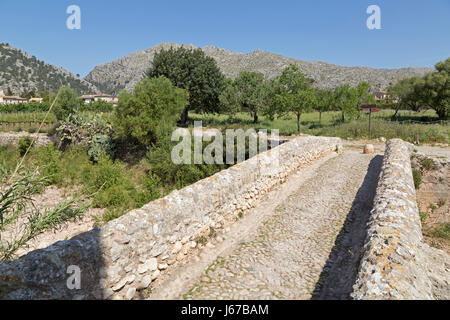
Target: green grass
x,y
428,164
417,177
442,231
331,125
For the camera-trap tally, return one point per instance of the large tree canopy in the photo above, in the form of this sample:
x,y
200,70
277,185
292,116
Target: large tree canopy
x,y
154,105
348,99
194,71
66,104
434,89
249,92
430,91
296,95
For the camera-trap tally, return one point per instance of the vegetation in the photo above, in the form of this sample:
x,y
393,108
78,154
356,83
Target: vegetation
x,y
417,177
193,71
66,104
296,96
431,91
248,92
442,231
20,217
122,155
155,103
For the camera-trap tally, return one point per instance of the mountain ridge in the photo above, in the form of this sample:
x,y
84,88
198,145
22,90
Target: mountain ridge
x,y
22,72
125,72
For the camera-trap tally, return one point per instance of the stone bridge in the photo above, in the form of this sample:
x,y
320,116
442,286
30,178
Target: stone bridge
x,y
305,220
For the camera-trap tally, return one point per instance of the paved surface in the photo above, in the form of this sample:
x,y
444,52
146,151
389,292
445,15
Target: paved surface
x,y
308,246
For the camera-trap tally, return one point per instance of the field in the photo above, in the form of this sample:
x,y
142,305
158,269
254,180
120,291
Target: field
x,y
409,125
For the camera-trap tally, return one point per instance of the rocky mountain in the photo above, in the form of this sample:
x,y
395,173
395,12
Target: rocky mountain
x,y
21,72
125,72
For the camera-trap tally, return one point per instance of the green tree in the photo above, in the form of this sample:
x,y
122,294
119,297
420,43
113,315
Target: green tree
x,y
297,103
434,89
297,95
193,71
347,99
404,96
66,104
248,92
155,103
324,102
272,89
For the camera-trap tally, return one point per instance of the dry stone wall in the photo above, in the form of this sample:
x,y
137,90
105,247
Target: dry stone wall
x,y
8,138
394,264
120,259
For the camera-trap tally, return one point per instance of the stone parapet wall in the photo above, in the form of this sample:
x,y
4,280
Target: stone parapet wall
x,y
394,265
120,259
9,138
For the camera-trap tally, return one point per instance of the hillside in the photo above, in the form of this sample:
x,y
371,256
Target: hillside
x,y
127,71
23,73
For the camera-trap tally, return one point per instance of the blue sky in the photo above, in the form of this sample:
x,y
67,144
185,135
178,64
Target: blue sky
x,y
414,32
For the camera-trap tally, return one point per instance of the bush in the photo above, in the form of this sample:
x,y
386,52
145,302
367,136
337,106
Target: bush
x,y
100,146
99,106
155,102
24,145
152,190
50,166
417,176
427,163
112,188
66,104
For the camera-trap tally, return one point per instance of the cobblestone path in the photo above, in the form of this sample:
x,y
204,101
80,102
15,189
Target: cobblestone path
x,y
309,246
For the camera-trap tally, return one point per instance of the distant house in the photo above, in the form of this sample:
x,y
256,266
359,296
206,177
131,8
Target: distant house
x,y
89,98
381,95
11,99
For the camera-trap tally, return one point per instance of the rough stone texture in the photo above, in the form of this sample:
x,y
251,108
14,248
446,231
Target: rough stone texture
x,y
301,249
111,257
369,149
396,263
9,138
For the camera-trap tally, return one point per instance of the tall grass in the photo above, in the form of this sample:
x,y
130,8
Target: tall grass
x,y
20,219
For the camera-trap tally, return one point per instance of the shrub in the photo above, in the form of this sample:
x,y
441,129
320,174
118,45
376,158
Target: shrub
x,y
98,106
417,176
155,102
427,163
49,160
152,190
112,188
24,144
104,175
66,104
100,145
